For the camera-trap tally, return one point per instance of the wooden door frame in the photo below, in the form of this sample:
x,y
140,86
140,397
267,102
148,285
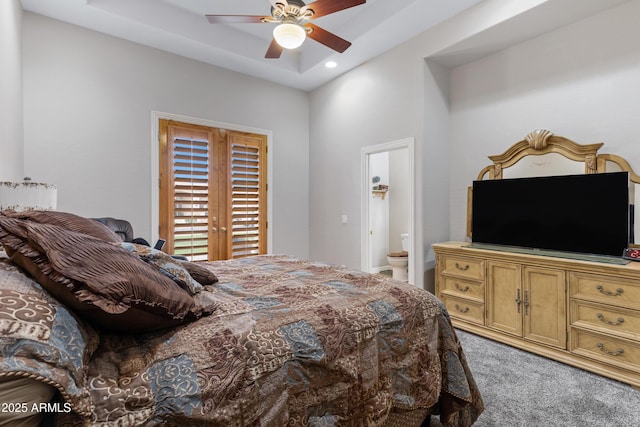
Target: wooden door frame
x,y
154,191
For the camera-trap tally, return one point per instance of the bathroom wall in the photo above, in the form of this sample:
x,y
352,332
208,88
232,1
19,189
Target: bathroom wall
x,y
379,212
398,197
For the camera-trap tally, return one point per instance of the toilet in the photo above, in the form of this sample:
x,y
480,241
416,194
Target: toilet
x,y
399,261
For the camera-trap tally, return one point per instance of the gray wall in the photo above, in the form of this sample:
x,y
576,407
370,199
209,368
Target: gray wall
x,y
463,103
88,99
11,90
362,108
580,81
392,97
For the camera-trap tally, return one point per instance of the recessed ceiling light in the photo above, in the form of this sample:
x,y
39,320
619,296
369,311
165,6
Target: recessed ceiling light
x,y
331,64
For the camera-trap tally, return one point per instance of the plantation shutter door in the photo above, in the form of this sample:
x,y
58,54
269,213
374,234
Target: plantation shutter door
x,y
213,185
187,181
248,202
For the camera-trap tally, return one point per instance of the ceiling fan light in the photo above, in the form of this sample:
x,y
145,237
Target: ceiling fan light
x,y
289,36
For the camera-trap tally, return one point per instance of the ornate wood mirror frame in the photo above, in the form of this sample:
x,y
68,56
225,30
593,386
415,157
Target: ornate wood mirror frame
x,y
540,142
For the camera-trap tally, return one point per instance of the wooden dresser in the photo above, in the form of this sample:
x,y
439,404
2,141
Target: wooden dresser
x,y
585,314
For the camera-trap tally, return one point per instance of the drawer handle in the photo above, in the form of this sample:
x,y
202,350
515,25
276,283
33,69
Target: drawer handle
x,y
618,322
618,352
462,310
618,291
461,289
462,268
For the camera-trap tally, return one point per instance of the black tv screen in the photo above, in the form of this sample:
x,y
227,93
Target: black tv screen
x,y
574,213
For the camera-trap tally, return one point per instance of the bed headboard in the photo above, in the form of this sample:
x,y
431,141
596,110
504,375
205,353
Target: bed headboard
x,y
556,155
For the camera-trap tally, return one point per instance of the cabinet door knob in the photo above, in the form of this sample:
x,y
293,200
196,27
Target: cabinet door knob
x,y
518,300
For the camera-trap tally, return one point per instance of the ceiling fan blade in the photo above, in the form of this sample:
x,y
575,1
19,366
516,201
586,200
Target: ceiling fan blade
x,y
274,51
236,19
326,38
325,7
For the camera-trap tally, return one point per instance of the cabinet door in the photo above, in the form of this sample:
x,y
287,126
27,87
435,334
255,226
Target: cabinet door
x,y
545,306
504,296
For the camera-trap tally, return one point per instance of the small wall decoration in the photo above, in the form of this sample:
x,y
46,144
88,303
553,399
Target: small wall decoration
x,y
378,190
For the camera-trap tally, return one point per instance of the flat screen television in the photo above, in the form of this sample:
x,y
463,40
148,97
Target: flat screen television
x,y
585,214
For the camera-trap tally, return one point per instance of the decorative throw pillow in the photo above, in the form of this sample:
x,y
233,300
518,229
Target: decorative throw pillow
x,y
201,274
41,339
68,221
102,282
166,265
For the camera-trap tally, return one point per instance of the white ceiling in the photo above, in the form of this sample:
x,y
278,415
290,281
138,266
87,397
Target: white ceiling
x,y
180,27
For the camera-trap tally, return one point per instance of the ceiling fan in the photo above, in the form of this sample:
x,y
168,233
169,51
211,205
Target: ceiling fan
x,y
292,17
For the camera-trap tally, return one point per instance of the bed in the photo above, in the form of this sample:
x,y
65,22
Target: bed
x,y
269,340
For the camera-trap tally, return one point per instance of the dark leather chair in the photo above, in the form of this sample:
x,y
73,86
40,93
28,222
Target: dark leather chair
x,y
121,227
124,230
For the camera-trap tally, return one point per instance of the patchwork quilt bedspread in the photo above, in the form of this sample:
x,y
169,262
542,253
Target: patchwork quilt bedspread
x,y
290,342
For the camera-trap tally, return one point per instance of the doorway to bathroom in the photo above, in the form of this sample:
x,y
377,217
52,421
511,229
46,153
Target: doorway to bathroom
x,y
388,205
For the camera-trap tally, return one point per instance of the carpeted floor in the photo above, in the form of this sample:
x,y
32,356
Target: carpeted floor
x,y
523,389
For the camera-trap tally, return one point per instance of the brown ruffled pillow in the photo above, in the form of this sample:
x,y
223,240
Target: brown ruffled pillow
x,y
199,273
103,283
68,221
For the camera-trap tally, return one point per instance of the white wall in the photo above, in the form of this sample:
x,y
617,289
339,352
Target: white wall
x,y
11,139
581,81
88,99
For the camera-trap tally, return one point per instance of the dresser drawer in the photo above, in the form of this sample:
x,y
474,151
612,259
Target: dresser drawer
x,y
614,351
463,288
604,289
607,319
468,310
463,267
